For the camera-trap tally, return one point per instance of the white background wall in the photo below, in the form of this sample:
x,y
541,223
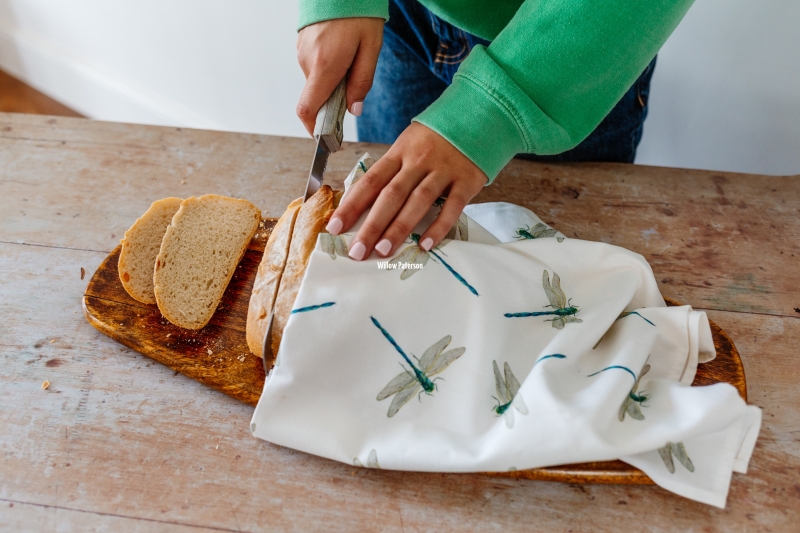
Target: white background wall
x,y
725,96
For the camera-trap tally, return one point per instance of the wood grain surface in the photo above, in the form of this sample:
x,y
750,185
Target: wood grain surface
x,y
218,356
119,442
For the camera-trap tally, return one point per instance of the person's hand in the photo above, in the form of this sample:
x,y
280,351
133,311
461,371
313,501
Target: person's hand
x,y
326,52
419,167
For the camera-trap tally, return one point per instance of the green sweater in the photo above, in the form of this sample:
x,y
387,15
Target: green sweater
x,y
553,71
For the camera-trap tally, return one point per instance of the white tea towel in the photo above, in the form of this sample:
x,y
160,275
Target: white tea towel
x,y
493,357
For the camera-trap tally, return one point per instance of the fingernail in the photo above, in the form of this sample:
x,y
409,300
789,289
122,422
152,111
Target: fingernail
x,y
426,244
357,251
384,247
356,109
334,226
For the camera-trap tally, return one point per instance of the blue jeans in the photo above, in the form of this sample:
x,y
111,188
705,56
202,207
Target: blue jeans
x,y
420,56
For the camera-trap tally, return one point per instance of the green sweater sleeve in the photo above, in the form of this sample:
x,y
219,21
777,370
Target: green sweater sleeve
x,y
550,77
313,11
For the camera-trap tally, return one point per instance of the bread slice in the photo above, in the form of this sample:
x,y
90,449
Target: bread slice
x,y
199,253
140,247
268,278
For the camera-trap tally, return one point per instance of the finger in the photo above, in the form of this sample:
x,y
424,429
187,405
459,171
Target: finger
x,y
363,194
389,203
318,88
360,76
415,208
451,210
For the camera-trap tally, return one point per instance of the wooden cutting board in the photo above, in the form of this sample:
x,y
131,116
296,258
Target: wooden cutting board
x,y
218,356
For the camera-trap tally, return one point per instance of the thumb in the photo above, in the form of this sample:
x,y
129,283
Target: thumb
x,y
360,76
318,88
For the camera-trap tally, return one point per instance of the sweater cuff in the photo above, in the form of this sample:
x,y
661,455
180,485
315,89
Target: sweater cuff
x,y
313,11
489,118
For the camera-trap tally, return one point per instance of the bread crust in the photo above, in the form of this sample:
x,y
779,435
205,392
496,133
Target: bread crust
x,y
268,277
179,246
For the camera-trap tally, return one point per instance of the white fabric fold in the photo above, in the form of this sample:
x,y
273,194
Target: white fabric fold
x,y
606,378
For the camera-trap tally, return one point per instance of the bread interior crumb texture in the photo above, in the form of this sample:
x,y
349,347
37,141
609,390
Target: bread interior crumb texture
x,y
141,245
199,254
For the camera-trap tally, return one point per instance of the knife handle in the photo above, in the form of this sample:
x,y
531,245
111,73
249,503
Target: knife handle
x,y
329,128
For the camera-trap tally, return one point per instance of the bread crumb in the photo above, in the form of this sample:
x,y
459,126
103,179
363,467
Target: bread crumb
x,y
209,351
241,358
83,273
168,334
45,385
52,341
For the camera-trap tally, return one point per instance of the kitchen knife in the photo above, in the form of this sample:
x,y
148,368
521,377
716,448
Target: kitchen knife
x,y
328,134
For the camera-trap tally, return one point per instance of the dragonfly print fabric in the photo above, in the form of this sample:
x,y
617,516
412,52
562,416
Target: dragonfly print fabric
x,y
428,376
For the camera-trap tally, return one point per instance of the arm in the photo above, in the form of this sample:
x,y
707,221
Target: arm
x,y
550,77
544,84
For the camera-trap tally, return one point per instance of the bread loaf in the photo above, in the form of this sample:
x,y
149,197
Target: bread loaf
x,y
199,253
310,220
141,245
268,278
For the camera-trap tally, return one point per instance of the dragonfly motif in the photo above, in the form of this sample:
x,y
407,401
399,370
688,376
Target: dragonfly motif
x,y
679,451
312,308
372,460
539,231
417,380
508,392
333,245
633,401
622,315
414,254
563,309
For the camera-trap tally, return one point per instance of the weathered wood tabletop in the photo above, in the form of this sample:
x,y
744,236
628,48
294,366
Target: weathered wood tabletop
x,y
120,443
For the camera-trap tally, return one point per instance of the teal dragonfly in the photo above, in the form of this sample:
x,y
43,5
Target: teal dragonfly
x,y
417,380
414,254
539,231
508,394
633,400
563,309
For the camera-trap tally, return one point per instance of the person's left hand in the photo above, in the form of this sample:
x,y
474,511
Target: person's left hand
x,y
403,184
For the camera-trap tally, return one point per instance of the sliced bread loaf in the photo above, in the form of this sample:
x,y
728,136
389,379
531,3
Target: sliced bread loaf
x,y
311,220
199,253
268,278
140,247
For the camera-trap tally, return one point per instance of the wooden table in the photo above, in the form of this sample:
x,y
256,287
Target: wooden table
x,y
119,443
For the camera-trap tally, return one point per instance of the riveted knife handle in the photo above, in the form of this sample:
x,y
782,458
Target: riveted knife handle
x,y
329,128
